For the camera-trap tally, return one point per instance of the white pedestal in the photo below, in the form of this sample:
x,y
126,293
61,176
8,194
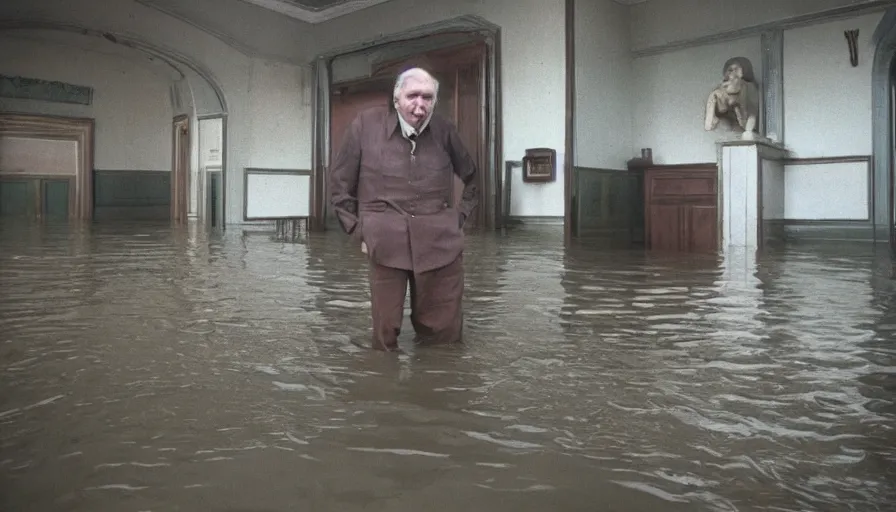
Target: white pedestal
x,y
751,192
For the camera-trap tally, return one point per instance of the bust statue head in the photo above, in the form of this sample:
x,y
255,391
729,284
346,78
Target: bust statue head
x,y
736,97
736,71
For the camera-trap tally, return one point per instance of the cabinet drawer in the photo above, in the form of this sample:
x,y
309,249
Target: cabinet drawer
x,y
672,185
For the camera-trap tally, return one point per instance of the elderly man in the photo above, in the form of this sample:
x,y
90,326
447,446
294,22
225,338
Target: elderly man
x,y
391,186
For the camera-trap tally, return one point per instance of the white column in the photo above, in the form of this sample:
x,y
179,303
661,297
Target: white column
x,y
740,195
773,84
751,192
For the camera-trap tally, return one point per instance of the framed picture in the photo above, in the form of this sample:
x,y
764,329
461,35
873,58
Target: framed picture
x,y
540,165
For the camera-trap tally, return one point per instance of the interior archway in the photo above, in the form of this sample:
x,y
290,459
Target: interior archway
x,y
883,130
194,90
404,47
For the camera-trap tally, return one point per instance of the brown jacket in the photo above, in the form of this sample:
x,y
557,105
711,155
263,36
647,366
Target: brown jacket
x,y
401,204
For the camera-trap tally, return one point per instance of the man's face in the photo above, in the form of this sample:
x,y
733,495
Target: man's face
x,y
415,100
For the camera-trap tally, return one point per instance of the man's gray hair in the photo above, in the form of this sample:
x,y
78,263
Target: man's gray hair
x,y
413,73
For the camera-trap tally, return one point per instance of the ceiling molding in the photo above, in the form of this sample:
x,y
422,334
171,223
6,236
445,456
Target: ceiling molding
x,y
231,41
308,15
100,46
629,2
236,45
849,11
171,56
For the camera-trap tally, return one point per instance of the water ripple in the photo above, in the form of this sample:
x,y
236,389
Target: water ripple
x,y
180,370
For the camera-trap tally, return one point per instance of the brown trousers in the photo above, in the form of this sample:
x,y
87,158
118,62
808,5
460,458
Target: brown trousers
x,y
436,298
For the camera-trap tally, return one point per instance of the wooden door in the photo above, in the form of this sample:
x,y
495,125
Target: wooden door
x,y
468,119
180,169
347,102
458,70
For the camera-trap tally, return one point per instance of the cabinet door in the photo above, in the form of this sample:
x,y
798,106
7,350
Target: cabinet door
x,y
665,227
701,228
19,198
55,199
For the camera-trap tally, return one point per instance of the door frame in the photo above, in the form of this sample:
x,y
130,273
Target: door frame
x,y
180,175
77,129
490,86
223,191
445,60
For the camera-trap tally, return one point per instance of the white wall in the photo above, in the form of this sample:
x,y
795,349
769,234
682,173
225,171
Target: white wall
x,y
279,96
533,73
827,102
131,105
603,67
657,22
233,70
669,94
827,191
210,142
774,199
229,67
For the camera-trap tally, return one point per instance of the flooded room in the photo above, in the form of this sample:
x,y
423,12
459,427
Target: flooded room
x,y
393,255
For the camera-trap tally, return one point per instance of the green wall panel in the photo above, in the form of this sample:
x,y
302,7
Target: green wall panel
x,y
131,195
18,198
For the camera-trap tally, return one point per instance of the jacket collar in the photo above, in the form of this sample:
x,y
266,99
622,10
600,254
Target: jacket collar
x,y
392,123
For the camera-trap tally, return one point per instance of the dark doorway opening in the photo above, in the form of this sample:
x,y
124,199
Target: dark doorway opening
x,y
460,72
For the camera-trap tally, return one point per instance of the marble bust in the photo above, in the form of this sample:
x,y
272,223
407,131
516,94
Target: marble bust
x,y
737,95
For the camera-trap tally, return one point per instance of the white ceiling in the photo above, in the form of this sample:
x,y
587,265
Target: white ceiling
x,y
65,39
315,11
251,29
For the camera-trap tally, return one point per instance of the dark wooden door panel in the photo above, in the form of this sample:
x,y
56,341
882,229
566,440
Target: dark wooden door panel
x,y
346,105
460,100
665,228
468,117
702,228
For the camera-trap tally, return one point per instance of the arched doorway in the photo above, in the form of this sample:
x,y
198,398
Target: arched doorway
x,y
196,95
459,72
473,99
884,130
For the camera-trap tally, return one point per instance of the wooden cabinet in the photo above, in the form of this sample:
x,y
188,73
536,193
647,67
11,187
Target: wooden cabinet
x,y
681,208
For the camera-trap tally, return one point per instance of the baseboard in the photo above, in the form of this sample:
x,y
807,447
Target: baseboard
x,y
855,231
119,213
533,219
774,230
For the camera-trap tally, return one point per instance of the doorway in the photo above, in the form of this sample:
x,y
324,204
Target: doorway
x,y
460,72
891,160
207,189
180,169
36,198
46,165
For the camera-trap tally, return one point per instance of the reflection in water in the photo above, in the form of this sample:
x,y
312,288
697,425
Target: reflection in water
x,y
151,369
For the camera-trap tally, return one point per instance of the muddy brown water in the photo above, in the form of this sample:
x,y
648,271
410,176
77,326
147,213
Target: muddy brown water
x,y
152,369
